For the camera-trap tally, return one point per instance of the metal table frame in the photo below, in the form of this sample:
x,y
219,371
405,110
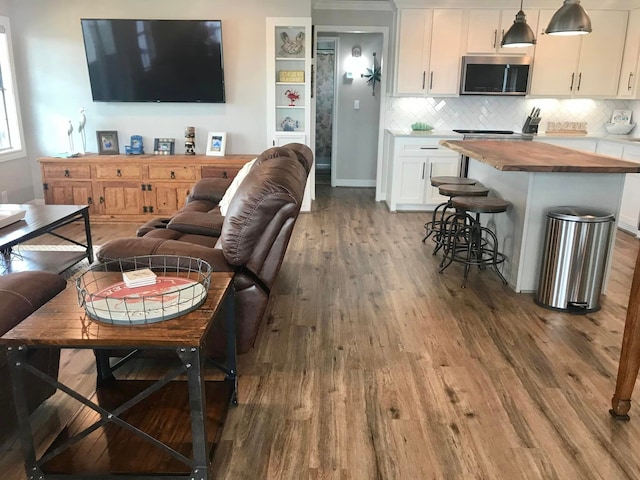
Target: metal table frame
x,y
193,363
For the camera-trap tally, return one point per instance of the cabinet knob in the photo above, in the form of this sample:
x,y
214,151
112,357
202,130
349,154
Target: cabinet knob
x,y
101,199
90,200
118,173
66,173
173,174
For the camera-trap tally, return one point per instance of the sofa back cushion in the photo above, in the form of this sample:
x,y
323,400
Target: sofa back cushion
x,y
263,210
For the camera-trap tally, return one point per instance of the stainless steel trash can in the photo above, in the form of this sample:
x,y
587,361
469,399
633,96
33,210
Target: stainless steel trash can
x,y
574,259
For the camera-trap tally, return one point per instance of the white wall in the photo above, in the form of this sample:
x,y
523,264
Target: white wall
x,y
54,83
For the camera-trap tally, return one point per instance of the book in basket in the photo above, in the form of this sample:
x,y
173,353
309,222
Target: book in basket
x,y
139,278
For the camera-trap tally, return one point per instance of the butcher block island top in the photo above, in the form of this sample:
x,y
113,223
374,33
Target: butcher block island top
x,y
538,157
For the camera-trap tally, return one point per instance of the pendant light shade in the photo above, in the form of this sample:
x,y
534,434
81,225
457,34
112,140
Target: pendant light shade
x,y
570,19
519,34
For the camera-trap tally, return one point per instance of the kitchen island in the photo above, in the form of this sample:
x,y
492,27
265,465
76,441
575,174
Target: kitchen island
x,y
535,177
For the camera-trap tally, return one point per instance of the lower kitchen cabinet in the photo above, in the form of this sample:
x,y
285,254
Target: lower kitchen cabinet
x,y
130,187
412,164
630,206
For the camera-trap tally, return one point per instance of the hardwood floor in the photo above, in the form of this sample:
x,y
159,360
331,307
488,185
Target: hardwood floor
x,y
371,365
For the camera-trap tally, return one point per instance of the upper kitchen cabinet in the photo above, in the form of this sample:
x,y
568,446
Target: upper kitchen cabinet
x,y
628,86
580,66
486,27
428,51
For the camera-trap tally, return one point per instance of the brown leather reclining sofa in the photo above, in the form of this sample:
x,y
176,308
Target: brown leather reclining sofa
x,y
21,294
250,240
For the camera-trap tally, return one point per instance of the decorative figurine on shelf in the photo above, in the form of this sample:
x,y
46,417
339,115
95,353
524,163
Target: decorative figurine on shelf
x,y
373,74
291,48
289,124
70,135
82,132
292,95
136,147
190,141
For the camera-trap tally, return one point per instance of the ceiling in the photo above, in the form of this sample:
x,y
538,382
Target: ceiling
x,y
391,4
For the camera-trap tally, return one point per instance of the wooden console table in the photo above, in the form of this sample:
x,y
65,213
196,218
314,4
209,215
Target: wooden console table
x,y
131,187
130,428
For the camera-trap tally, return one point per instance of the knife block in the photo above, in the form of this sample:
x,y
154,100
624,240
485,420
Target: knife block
x,y
531,124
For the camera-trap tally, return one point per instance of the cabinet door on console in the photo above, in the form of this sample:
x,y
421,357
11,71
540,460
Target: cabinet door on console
x,y
121,198
68,192
167,200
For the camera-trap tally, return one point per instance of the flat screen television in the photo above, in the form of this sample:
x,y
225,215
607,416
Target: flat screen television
x,y
154,60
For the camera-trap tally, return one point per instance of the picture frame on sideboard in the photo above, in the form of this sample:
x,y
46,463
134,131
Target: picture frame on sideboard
x,y
107,142
164,146
216,143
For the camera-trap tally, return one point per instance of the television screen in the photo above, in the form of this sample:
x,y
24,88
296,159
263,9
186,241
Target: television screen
x,y
154,60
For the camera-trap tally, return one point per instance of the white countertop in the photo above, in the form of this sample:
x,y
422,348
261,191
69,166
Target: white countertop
x,y
451,135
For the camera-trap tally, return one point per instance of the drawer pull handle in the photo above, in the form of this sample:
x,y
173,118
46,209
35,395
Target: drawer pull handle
x,y
101,199
66,173
579,80
629,82
118,173
428,148
573,76
224,174
173,174
90,201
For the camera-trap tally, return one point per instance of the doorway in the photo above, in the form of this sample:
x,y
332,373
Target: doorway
x,y
348,110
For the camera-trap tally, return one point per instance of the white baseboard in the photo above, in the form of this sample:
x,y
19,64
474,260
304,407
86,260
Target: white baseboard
x,y
355,183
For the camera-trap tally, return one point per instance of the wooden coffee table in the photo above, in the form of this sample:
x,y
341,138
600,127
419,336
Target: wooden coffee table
x,y
165,428
41,220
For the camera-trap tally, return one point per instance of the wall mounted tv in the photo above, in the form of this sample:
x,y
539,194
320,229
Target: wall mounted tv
x,y
154,60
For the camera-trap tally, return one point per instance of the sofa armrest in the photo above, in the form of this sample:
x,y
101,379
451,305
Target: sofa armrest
x,y
210,189
197,223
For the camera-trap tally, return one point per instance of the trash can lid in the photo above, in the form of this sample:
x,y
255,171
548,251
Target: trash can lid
x,y
580,214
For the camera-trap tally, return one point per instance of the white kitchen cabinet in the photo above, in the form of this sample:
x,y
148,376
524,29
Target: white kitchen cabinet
x,y
580,66
629,218
414,161
428,51
612,149
486,27
628,86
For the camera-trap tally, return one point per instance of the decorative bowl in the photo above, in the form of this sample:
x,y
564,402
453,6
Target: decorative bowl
x,y
421,126
619,128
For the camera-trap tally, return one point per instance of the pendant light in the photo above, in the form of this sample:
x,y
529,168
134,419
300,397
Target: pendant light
x,y
570,19
519,34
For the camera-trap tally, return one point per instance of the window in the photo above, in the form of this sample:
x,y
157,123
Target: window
x,y
11,142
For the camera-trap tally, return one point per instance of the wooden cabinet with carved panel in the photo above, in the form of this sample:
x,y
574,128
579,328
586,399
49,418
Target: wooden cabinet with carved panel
x,y
128,187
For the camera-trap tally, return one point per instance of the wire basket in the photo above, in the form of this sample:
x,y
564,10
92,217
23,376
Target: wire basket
x,y
181,286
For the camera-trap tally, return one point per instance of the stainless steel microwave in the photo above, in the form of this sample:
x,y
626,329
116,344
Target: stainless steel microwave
x,y
495,75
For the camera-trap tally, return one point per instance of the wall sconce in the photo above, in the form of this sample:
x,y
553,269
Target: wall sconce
x,y
356,51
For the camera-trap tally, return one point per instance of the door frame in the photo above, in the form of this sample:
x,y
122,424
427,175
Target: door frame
x,y
385,65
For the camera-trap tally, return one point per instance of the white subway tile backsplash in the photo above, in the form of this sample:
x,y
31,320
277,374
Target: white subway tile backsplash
x,y
506,113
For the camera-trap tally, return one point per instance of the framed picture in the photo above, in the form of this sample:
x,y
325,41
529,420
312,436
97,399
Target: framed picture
x,y
621,116
108,142
216,143
164,146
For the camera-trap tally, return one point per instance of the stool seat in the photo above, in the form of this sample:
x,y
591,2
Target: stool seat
x,y
480,204
452,190
437,181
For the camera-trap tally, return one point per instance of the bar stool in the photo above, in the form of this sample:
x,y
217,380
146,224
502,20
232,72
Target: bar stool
x,y
442,227
437,182
471,243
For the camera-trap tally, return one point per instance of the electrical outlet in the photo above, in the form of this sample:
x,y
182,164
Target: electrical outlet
x,y
5,196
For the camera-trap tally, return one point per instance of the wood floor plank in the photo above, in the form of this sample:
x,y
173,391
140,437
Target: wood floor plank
x,y
372,365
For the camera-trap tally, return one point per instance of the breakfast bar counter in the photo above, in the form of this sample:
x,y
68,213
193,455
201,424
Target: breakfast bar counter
x,y
535,177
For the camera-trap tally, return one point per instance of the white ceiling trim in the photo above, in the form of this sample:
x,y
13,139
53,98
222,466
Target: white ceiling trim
x,y
588,4
351,5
